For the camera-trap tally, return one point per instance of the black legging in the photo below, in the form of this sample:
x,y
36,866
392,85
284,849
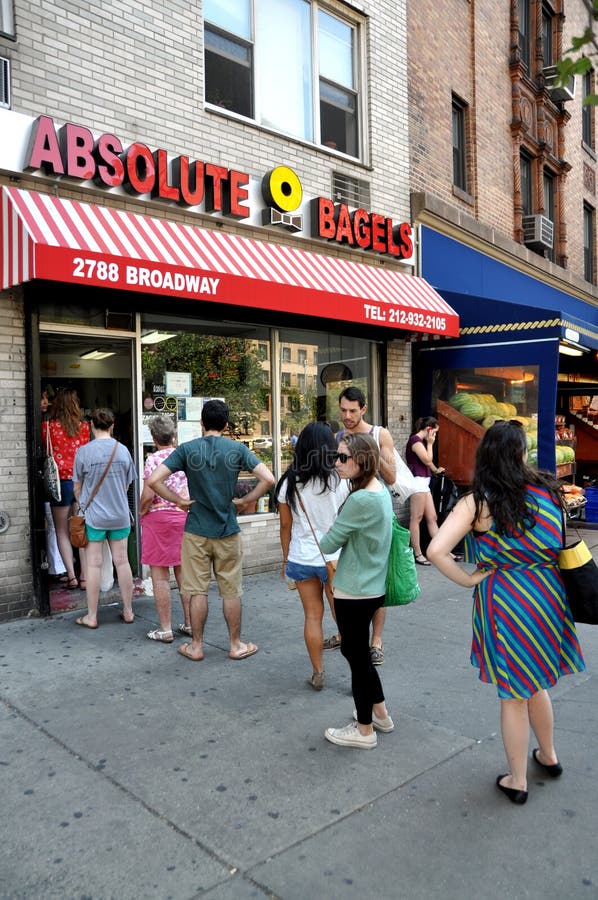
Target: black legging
x,y
354,617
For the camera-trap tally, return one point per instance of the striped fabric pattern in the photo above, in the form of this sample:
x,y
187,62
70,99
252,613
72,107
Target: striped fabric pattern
x,y
524,639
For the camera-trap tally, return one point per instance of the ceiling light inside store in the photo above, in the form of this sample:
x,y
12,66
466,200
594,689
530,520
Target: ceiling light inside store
x,y
155,337
97,354
567,348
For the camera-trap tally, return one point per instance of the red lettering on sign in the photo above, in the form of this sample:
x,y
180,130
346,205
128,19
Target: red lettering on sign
x,y
370,231
190,177
43,151
238,182
161,187
107,150
140,169
77,148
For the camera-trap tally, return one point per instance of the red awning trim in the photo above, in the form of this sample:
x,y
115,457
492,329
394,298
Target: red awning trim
x,y
47,237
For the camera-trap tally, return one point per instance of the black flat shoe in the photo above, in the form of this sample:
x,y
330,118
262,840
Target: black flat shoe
x,y
554,770
519,797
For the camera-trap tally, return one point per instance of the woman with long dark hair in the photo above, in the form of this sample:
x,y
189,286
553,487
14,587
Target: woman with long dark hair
x,y
68,432
310,491
524,638
362,532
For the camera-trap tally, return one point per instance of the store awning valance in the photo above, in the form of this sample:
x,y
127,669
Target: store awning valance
x,y
47,237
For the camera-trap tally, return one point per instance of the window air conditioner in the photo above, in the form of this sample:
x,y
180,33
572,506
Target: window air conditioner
x,y
538,232
558,92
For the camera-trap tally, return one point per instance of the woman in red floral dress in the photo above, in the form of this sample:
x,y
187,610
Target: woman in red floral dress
x,y
67,433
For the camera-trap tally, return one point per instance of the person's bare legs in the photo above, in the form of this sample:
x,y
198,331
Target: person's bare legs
x,y
161,587
310,592
60,515
184,597
514,723
542,721
120,558
82,565
330,598
231,607
94,566
430,515
378,621
198,611
417,505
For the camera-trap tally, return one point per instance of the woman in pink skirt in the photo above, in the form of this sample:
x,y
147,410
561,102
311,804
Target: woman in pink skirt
x,y
162,529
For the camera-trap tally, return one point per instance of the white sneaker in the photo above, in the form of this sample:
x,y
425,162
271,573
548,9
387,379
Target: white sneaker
x,y
386,725
350,736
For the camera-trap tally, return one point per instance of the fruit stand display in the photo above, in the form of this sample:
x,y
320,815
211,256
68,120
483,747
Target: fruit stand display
x,y
463,421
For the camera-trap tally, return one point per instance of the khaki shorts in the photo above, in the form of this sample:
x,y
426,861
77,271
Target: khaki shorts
x,y
198,556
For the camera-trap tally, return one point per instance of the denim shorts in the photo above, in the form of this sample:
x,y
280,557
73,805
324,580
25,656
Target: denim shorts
x,y
299,572
67,494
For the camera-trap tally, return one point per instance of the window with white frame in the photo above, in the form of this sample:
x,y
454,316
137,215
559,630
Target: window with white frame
x,y
7,17
291,65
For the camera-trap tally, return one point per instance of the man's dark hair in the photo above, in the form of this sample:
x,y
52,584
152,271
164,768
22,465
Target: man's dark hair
x,y
102,419
214,415
353,393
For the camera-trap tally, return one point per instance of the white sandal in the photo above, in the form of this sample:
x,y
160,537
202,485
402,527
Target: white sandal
x,y
166,637
186,629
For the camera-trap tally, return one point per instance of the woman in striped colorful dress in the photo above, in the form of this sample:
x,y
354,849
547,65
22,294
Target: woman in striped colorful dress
x,y
523,635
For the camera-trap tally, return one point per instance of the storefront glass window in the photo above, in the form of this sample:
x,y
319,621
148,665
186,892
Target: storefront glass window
x,y
234,362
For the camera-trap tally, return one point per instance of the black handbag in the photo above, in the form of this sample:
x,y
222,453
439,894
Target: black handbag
x,y
580,574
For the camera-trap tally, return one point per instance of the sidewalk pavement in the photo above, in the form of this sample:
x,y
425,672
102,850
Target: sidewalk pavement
x,y
129,772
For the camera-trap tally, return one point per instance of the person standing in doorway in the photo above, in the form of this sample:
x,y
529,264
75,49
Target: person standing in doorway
x,y
107,463
68,432
352,409
212,538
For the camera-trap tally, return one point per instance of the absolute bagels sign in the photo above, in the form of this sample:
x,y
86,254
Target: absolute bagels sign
x,y
73,151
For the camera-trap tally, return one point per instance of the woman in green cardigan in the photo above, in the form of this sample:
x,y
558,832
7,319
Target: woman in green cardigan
x,y
362,531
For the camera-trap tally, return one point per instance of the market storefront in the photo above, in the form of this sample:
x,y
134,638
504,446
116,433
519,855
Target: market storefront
x,y
153,315
512,359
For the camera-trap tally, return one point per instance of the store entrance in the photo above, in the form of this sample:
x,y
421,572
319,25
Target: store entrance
x,y
100,369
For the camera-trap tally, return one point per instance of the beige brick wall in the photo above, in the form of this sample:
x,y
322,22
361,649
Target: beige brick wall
x,y
16,594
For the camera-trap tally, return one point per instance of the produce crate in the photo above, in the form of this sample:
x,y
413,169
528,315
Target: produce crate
x,y
458,440
564,470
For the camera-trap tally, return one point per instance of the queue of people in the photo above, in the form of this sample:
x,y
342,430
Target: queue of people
x,y
334,506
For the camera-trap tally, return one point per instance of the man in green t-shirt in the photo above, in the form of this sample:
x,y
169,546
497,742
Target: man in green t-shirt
x,y
212,536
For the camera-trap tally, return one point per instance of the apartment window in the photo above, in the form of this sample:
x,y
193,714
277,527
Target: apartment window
x,y
524,32
285,379
588,243
290,65
286,354
7,18
301,382
459,150
301,356
587,116
547,42
525,168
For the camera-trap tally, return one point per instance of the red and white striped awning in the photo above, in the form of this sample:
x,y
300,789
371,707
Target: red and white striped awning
x,y
46,237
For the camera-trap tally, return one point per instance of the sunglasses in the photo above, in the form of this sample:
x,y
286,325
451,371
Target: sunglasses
x,y
342,457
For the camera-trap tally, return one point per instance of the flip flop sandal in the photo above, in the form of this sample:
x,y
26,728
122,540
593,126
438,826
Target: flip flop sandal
x,y
251,649
166,637
422,561
185,629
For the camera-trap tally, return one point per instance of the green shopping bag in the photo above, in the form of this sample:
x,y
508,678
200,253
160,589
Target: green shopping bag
x,y
402,586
